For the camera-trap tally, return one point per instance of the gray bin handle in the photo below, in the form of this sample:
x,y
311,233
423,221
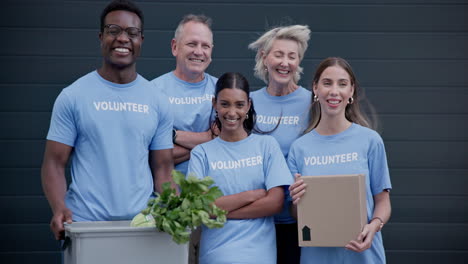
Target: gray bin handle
x,y
66,243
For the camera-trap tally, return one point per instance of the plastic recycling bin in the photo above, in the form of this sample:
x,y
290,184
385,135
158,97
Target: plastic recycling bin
x,y
117,242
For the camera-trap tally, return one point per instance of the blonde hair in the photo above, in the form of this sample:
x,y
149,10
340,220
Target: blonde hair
x,y
353,112
298,33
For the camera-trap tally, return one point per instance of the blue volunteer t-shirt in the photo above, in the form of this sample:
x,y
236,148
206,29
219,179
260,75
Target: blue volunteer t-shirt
x,y
291,111
357,150
190,103
255,162
112,127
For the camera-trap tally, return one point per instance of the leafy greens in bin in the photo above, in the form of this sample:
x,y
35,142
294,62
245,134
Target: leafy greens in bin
x,y
176,214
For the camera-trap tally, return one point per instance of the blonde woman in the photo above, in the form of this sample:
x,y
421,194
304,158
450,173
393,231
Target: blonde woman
x,y
283,108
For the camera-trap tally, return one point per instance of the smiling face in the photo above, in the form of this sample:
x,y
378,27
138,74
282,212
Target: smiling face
x,y
120,51
282,62
192,50
334,88
232,106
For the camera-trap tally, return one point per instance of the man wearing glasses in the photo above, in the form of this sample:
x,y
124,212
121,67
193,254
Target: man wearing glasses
x,y
115,129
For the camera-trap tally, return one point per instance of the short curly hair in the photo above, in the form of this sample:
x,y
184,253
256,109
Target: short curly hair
x,y
125,5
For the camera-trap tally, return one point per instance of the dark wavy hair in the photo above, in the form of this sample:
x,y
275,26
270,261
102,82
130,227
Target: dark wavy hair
x,y
125,5
235,80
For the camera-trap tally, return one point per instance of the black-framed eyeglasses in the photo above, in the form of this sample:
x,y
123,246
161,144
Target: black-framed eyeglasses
x,y
116,30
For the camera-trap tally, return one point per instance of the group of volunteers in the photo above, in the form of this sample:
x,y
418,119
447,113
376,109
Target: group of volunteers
x,y
123,134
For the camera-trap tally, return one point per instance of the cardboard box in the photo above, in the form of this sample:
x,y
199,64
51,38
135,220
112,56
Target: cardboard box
x,y
117,243
332,211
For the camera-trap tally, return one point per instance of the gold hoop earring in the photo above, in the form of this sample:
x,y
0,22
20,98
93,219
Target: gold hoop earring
x,y
315,98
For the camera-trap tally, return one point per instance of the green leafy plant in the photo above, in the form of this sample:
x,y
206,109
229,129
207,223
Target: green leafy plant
x,y
176,214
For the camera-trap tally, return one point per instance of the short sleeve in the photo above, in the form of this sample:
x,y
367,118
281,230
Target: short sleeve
x,y
378,168
291,161
163,136
63,126
197,163
276,169
157,87
292,165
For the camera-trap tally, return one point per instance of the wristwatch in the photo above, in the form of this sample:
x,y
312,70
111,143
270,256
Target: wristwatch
x,y
174,135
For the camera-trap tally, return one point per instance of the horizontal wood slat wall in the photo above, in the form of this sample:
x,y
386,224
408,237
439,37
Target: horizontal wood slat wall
x,y
410,56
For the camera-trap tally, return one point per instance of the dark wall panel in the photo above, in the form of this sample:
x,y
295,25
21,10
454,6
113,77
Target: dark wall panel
x,y
425,127
27,238
324,17
417,237
29,97
446,155
27,210
428,209
31,258
427,257
429,154
406,100
405,182
233,44
430,182
437,102
20,124
56,70
20,182
417,127
422,236
405,209
22,153
410,56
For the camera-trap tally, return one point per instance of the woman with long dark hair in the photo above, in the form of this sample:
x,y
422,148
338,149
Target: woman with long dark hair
x,y
250,170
